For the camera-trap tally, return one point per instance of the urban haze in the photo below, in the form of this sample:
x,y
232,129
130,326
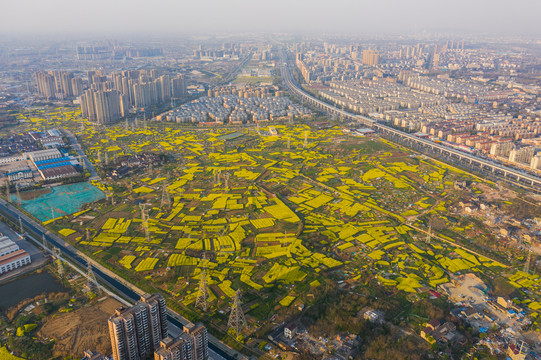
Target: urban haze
x,y
293,180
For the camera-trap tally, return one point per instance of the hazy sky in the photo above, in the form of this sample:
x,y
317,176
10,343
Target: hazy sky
x,y
512,17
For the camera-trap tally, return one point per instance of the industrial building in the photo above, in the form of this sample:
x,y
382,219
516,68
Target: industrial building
x,y
11,256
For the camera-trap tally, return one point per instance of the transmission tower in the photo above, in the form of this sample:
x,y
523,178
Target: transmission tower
x,y
219,177
528,259
56,255
91,278
18,194
203,292
144,216
429,234
99,156
237,320
8,195
21,227
166,198
106,159
87,234
226,176
306,139
44,242
288,142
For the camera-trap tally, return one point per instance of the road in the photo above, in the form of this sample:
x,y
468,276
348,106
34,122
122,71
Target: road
x,y
523,179
234,72
120,287
75,145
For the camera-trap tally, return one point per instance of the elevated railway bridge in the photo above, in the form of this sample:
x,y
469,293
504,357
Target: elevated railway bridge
x,y
475,163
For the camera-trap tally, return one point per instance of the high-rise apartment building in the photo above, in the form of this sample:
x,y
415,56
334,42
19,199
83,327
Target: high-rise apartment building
x,y
522,155
137,331
370,57
502,148
165,88
102,107
192,344
535,163
77,86
46,85
143,88
178,86
58,84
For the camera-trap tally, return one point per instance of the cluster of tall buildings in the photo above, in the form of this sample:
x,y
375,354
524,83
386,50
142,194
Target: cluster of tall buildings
x,y
370,57
146,88
109,98
114,52
103,107
141,331
58,84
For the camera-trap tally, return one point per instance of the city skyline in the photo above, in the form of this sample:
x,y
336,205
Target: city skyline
x,y
224,180
166,17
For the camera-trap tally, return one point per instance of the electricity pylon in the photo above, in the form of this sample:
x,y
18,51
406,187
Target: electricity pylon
x,y
429,234
21,227
305,139
237,320
144,216
528,259
56,255
18,194
203,291
8,195
226,177
44,242
166,198
91,278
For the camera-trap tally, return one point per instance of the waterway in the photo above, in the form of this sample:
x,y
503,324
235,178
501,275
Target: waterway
x,y
28,287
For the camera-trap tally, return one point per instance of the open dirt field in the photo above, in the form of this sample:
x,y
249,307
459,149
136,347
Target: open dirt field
x,y
81,330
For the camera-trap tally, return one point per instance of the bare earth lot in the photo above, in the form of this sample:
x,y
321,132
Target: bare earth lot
x,y
83,329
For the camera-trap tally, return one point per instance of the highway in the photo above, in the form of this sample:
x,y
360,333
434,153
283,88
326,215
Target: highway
x,y
73,255
516,176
